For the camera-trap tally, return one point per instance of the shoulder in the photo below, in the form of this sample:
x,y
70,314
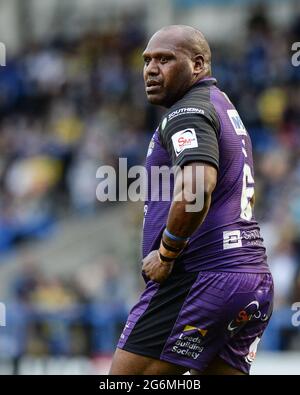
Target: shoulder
x,y
189,130
195,108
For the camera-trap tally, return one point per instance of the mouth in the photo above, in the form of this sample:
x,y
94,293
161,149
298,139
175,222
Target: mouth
x,y
153,86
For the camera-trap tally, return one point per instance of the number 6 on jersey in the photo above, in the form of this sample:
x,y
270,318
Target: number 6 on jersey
x,y
247,194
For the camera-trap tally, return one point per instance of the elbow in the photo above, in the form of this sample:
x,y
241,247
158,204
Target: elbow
x,y
197,188
209,186
200,195
210,181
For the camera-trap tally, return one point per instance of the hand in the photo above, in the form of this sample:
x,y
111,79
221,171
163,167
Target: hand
x,y
154,269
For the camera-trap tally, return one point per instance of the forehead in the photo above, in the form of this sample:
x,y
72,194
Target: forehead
x,y
164,42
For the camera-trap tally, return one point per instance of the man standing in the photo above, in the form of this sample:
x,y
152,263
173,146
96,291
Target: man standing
x,y
209,292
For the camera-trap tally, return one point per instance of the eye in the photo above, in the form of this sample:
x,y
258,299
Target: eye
x,y
146,61
163,59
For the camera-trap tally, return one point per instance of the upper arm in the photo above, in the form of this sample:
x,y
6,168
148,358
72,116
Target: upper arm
x,y
196,177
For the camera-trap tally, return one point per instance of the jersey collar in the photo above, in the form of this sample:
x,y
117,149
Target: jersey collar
x,y
206,81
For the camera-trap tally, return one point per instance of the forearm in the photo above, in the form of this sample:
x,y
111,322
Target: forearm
x,y
183,223
188,210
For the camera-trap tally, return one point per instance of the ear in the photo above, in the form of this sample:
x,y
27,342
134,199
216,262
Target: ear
x,y
198,64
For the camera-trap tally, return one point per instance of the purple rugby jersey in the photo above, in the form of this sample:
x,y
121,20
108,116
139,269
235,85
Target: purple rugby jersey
x,y
205,126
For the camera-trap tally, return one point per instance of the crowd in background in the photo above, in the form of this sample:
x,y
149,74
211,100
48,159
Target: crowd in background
x,y
69,106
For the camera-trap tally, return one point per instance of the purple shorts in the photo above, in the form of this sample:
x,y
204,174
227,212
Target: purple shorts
x,y
194,317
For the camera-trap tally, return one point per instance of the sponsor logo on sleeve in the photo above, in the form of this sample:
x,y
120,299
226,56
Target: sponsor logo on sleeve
x,y
184,139
185,110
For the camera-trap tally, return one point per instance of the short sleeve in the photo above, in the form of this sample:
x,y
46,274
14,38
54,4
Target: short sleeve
x,y
191,136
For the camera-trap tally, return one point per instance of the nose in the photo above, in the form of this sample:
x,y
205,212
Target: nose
x,y
152,68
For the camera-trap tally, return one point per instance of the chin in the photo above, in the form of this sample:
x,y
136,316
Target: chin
x,y
155,99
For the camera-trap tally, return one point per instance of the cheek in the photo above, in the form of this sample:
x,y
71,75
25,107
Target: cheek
x,y
185,73
178,79
144,73
170,78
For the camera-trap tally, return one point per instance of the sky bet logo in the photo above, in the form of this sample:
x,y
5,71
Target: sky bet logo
x,y
2,55
184,139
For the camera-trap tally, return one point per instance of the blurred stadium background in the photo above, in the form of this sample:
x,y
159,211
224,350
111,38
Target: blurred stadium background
x,y
72,99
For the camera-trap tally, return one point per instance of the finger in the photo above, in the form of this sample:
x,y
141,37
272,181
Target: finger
x,y
145,266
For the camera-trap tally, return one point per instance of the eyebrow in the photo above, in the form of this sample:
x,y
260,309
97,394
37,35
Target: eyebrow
x,y
159,52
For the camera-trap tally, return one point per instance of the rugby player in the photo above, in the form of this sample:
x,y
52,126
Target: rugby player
x,y
209,291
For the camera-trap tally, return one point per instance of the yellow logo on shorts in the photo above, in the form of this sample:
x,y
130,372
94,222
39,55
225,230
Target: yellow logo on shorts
x,y
192,328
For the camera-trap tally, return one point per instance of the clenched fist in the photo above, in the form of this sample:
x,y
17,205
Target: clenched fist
x,y
156,270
